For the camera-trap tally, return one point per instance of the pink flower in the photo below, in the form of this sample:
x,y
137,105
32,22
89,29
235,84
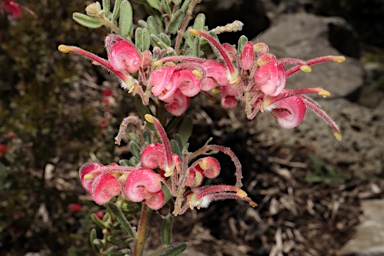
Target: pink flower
x,y
144,185
289,112
177,104
104,187
107,92
161,80
75,207
270,76
3,149
228,96
122,55
12,8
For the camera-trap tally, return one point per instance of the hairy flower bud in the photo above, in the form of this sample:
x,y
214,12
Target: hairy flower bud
x,y
247,56
122,55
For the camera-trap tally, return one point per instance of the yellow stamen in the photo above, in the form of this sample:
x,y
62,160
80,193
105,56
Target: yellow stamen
x,y
157,63
197,73
194,32
89,176
306,68
149,118
241,193
64,48
215,91
338,136
252,204
338,59
324,93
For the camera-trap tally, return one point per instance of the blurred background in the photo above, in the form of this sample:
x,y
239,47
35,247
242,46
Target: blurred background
x,y
58,111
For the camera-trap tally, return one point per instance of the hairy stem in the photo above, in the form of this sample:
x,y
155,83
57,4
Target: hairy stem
x,y
184,25
142,230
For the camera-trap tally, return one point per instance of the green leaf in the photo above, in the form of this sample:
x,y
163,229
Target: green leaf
x,y
114,240
121,218
199,22
186,129
107,7
86,21
126,17
135,149
177,2
185,5
189,39
153,27
176,148
142,39
99,222
173,250
166,229
165,6
134,137
242,41
165,39
147,137
94,241
175,22
116,10
196,47
142,23
154,4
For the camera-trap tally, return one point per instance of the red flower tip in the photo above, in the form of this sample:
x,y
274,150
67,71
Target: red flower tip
x,y
75,207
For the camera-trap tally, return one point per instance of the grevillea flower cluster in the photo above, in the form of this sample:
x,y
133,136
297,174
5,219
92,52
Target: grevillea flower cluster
x,y
253,76
147,181
161,61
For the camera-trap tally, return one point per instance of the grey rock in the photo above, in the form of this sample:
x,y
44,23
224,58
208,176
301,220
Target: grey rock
x,y
369,237
306,36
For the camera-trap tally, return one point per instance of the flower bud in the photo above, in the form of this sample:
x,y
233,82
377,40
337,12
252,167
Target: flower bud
x,y
122,55
247,56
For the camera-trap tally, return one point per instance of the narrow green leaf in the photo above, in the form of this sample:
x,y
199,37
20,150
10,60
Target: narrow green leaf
x,y
189,39
126,17
142,23
157,42
185,5
86,21
153,27
175,22
134,137
174,250
166,229
92,238
199,22
98,222
154,3
186,129
107,7
135,149
116,10
177,2
147,137
142,39
112,250
196,47
114,240
177,138
242,41
175,147
165,6
121,219
165,39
